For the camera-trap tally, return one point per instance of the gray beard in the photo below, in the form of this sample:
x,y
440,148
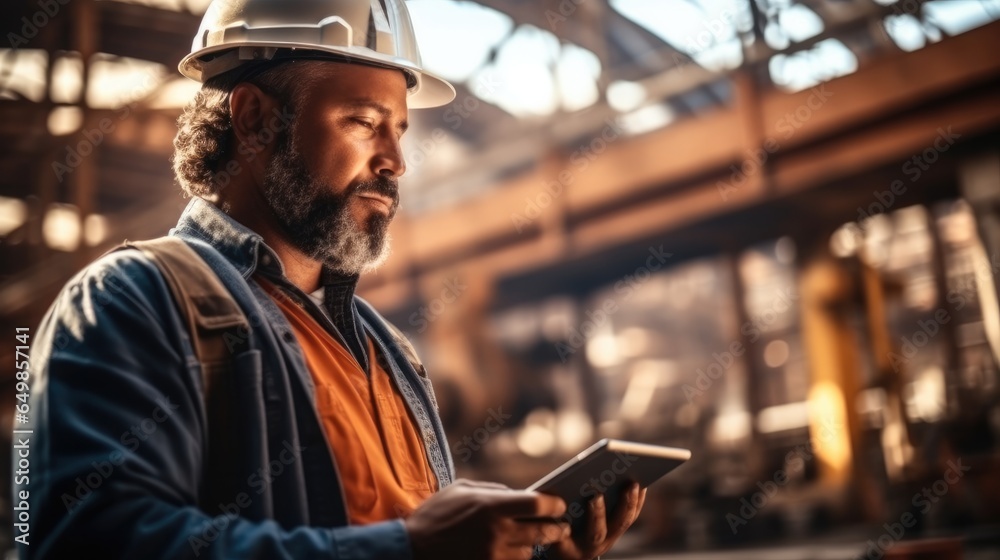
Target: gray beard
x,y
318,222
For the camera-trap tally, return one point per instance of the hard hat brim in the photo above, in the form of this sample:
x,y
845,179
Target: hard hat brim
x,y
434,91
431,90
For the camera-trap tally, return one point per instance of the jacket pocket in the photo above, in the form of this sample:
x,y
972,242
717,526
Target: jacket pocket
x,y
349,450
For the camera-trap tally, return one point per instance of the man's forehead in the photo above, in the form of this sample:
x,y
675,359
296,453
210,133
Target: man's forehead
x,y
336,70
361,87
356,84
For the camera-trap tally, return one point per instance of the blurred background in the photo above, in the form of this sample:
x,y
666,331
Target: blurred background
x,y
764,230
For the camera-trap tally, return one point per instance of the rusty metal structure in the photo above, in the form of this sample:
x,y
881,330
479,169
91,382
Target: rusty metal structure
x,y
753,277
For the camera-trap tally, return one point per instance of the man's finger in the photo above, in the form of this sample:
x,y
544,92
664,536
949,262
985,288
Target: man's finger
x,y
481,484
521,533
521,503
626,512
597,529
638,509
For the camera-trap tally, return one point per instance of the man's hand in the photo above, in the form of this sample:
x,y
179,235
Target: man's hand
x,y
598,538
484,520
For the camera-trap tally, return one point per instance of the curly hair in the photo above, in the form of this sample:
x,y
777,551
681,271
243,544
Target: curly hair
x,y
205,139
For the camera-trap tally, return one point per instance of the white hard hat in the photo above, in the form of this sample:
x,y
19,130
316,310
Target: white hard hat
x,y
375,32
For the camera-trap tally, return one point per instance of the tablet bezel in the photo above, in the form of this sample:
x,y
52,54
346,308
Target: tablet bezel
x,y
611,446
579,468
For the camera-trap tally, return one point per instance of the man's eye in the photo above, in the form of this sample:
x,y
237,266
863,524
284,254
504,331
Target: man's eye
x,y
366,124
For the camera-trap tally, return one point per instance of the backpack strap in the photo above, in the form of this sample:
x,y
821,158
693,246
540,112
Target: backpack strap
x,y
206,304
214,321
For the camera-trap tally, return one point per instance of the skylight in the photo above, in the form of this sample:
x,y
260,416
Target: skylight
x,y
956,17
523,68
705,30
577,73
824,61
457,38
798,23
530,72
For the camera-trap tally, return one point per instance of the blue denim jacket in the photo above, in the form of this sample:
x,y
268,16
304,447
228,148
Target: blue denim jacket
x,y
119,427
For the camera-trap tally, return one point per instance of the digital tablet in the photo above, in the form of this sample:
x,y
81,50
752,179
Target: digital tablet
x,y
608,467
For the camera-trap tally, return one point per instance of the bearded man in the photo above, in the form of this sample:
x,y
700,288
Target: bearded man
x,y
291,154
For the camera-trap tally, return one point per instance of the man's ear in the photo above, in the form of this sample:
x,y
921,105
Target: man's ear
x,y
250,108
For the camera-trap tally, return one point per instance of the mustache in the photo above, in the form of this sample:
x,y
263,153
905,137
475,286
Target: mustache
x,y
383,186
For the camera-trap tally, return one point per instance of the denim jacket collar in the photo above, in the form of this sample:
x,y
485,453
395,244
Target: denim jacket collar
x,y
240,245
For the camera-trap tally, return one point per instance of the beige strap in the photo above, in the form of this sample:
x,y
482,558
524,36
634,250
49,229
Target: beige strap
x,y
214,322
206,304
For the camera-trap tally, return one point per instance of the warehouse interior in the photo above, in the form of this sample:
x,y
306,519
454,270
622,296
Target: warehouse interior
x,y
767,231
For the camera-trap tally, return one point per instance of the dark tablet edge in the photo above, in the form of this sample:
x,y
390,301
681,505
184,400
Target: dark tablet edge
x,y
615,445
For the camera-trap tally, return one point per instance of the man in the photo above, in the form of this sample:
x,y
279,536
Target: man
x,y
292,157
